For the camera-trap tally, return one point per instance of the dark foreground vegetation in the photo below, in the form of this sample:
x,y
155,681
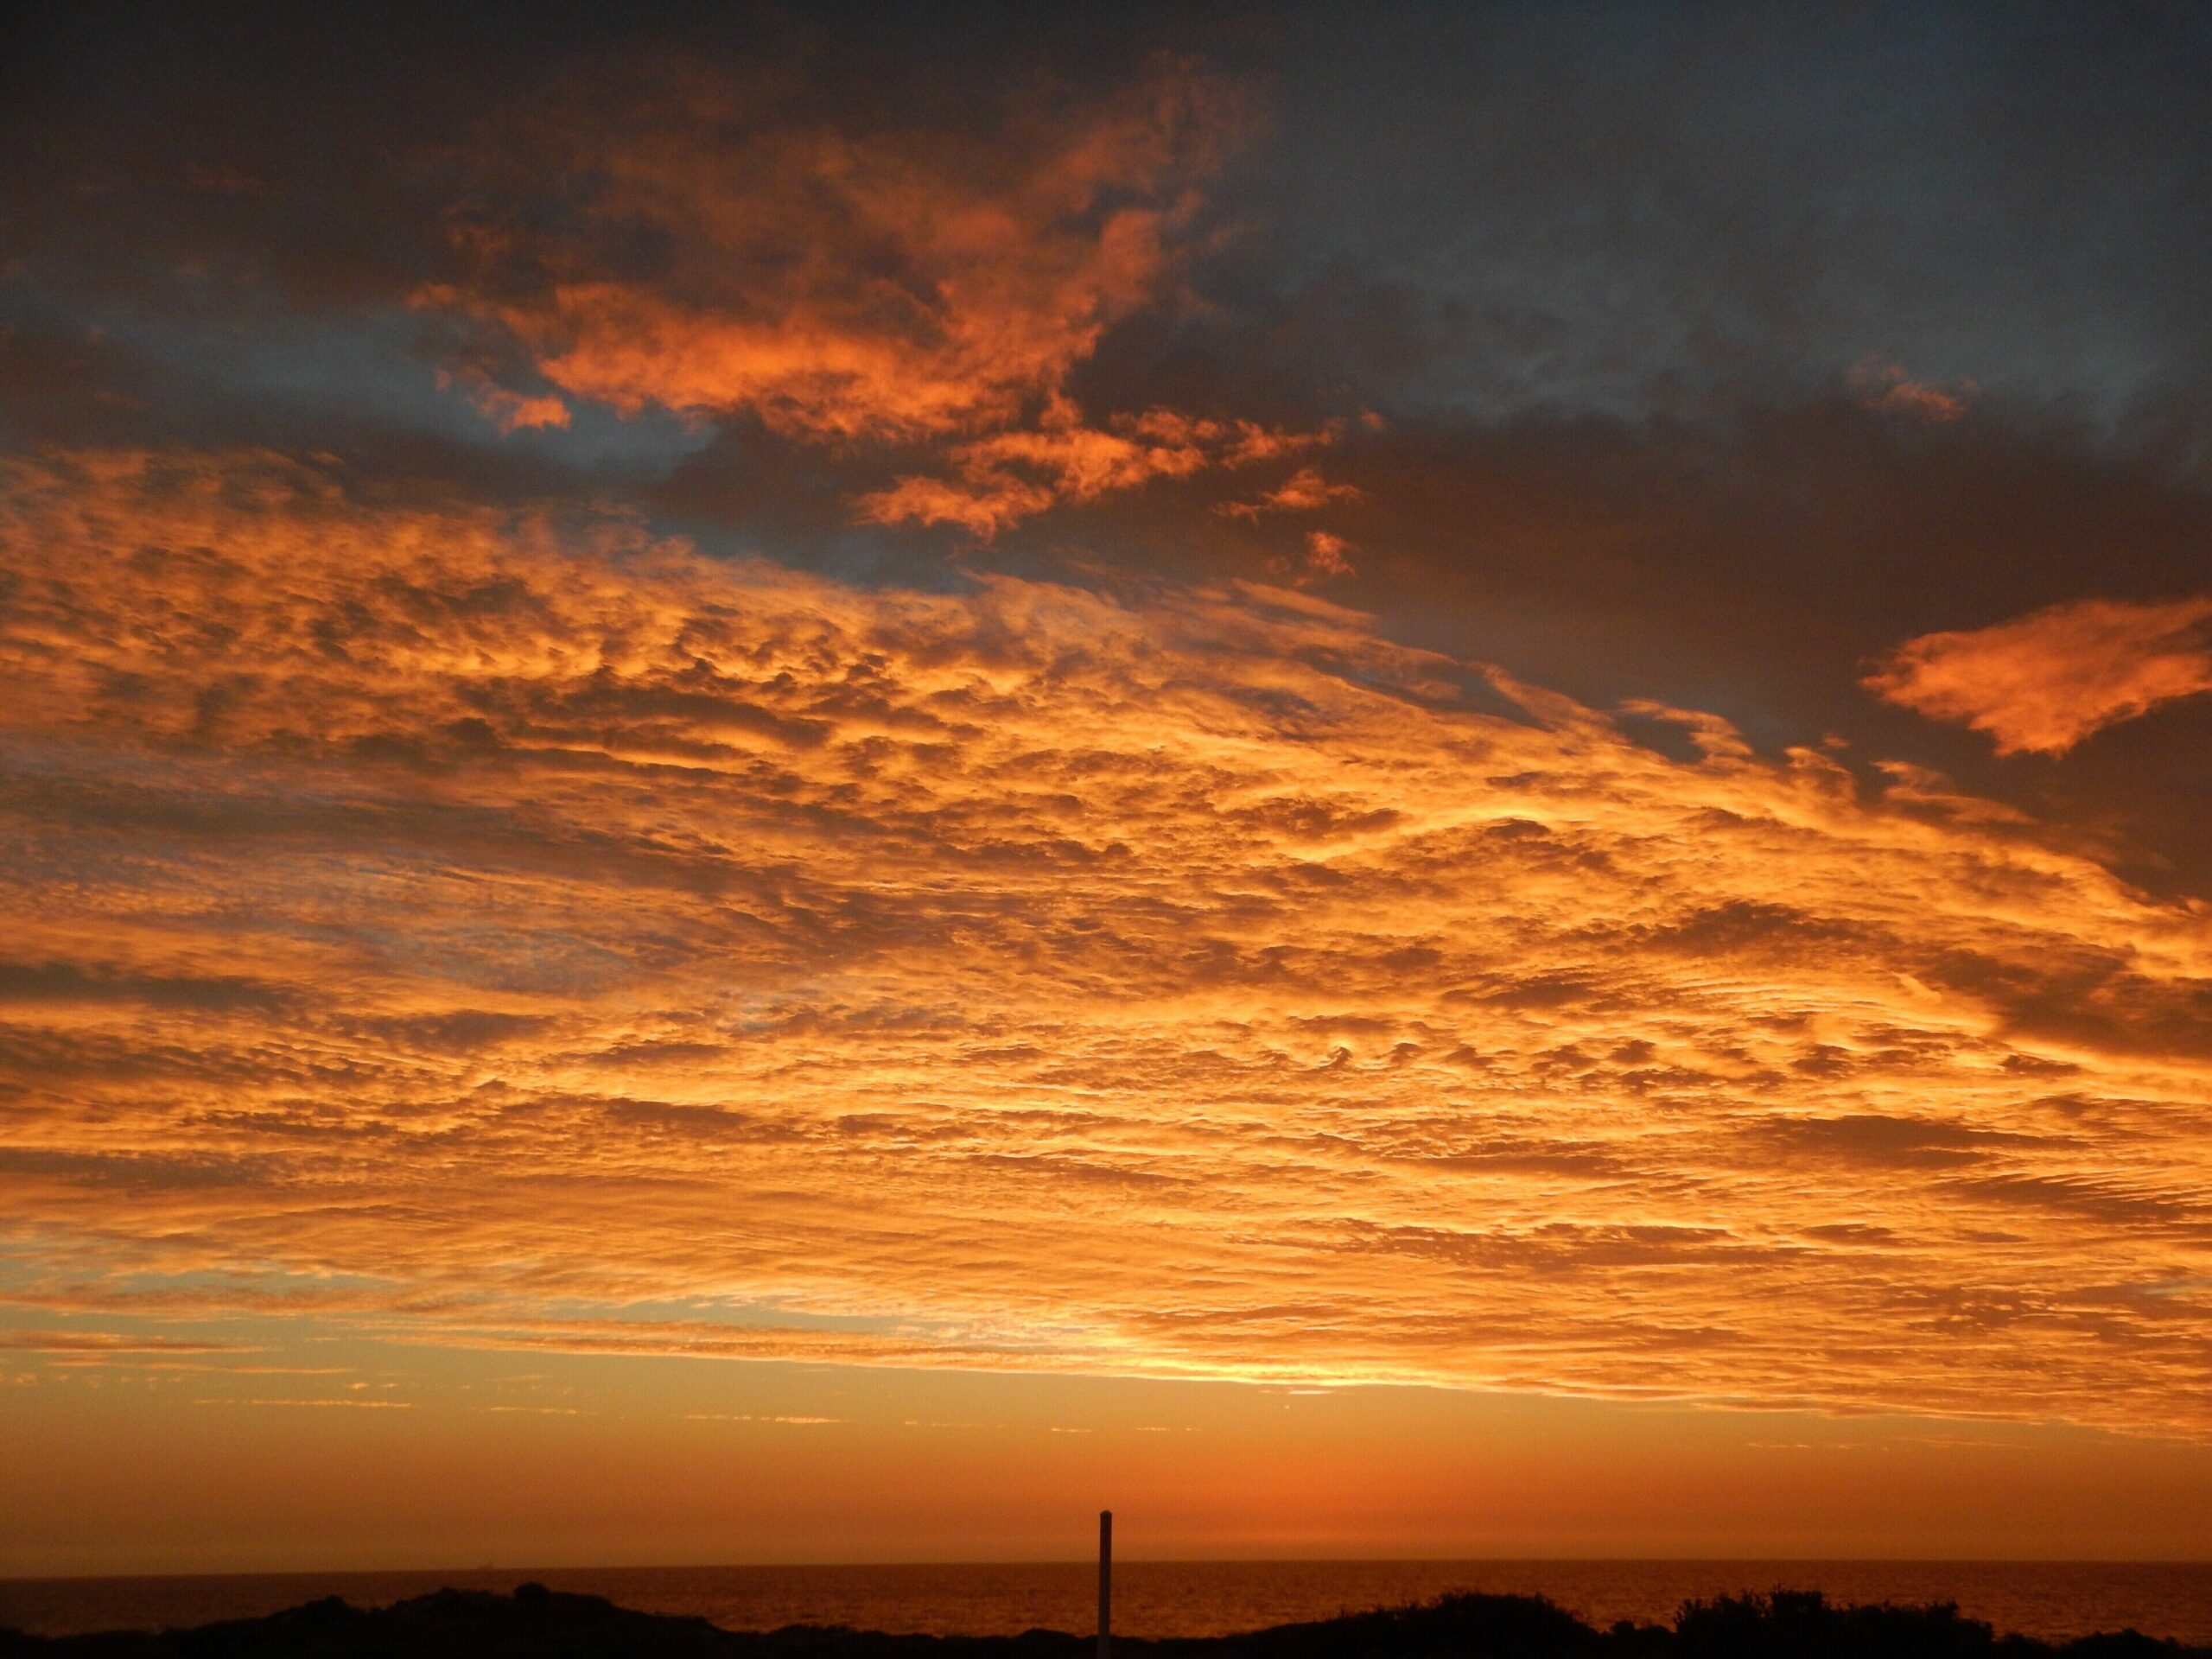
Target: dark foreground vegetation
x,y
536,1623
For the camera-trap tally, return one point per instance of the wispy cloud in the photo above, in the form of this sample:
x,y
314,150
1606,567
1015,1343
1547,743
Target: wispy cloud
x,y
1303,491
1326,556
1883,385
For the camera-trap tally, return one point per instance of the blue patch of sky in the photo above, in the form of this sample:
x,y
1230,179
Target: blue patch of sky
x,y
356,366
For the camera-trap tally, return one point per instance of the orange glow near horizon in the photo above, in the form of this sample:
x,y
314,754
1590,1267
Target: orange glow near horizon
x,y
546,1459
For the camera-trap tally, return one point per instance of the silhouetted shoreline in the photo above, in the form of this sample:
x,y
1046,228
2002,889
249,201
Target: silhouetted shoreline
x,y
535,1622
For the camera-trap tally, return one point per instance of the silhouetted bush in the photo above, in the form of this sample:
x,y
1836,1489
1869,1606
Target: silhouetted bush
x,y
536,1623
1802,1625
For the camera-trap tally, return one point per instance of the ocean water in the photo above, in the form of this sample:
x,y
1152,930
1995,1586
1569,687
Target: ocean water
x,y
2045,1598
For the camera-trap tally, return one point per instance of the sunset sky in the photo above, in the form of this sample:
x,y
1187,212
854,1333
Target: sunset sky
x,y
820,783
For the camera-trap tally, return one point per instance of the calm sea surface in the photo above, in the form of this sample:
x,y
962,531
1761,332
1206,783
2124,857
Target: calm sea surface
x,y
2047,1598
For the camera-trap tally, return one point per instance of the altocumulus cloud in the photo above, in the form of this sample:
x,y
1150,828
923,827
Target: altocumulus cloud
x,y
492,920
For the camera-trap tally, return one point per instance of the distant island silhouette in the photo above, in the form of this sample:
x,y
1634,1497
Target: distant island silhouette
x,y
535,1622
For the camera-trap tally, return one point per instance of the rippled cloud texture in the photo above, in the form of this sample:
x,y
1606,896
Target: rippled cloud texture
x,y
516,927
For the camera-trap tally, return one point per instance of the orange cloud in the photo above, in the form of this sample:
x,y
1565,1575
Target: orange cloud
x,y
836,285
505,930
1305,492
2044,682
851,288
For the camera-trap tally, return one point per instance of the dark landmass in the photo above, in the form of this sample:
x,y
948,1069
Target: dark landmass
x,y
536,1623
